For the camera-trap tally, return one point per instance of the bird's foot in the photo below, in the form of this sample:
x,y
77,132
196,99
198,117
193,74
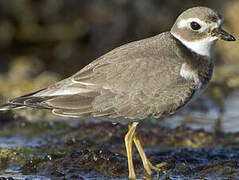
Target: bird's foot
x,y
157,167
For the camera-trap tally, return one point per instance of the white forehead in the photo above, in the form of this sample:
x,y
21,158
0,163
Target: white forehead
x,y
185,23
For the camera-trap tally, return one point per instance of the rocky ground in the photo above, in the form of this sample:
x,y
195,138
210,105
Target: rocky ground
x,y
90,150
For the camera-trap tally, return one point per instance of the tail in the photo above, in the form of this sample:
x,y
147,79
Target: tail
x,y
9,106
28,100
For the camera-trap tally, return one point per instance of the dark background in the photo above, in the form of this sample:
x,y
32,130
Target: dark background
x,y
42,41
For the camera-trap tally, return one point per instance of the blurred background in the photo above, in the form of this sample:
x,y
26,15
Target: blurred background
x,y
43,41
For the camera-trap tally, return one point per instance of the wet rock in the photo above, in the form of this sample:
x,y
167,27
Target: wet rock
x,y
58,150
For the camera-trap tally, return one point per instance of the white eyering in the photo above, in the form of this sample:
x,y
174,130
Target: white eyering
x,y
204,46
185,23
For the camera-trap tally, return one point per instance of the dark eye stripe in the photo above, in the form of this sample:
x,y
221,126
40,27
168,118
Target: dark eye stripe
x,y
195,26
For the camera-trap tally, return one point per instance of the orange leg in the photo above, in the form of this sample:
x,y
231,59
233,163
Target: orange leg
x,y
129,138
128,143
146,162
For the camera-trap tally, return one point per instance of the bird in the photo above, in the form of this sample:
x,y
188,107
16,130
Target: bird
x,y
145,79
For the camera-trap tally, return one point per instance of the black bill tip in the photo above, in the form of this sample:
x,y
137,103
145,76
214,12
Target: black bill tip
x,y
223,35
231,38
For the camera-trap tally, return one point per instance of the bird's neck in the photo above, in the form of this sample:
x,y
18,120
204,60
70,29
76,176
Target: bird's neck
x,y
200,64
203,47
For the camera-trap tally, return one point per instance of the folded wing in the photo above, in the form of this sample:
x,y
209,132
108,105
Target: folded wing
x,y
132,84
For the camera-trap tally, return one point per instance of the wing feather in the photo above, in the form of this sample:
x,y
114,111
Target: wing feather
x,y
131,81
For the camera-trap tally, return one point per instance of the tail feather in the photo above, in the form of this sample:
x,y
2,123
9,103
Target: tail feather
x,y
73,105
9,106
28,100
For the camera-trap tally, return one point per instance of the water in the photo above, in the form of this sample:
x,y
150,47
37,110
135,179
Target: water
x,y
210,117
19,141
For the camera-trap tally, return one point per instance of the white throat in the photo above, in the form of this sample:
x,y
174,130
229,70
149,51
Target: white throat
x,y
204,47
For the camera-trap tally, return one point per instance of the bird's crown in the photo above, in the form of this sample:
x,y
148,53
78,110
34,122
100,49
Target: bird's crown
x,y
199,28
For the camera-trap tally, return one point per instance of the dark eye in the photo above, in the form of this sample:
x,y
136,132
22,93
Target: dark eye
x,y
195,25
